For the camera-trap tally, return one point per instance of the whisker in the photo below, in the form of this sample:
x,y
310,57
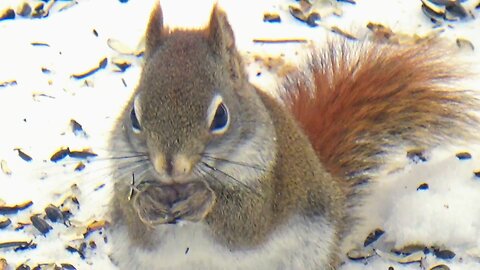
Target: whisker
x,y
130,168
231,177
253,166
204,173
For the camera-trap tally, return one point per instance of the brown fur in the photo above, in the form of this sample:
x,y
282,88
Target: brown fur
x,y
297,185
362,101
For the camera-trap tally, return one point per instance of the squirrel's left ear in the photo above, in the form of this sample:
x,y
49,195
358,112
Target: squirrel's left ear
x,y
222,42
154,34
220,33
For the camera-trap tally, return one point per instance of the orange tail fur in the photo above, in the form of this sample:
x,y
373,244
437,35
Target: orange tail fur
x,y
357,102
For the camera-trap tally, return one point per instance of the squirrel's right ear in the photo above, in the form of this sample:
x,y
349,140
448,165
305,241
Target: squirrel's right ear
x,y
154,33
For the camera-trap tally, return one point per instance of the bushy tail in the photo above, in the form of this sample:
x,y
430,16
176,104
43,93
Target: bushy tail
x,y
357,101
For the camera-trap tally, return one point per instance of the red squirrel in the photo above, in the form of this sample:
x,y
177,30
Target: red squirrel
x,y
224,176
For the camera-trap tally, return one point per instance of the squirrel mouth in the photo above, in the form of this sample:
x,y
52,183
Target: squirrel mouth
x,y
157,203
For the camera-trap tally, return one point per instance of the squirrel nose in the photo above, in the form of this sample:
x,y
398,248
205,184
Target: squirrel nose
x,y
174,166
169,165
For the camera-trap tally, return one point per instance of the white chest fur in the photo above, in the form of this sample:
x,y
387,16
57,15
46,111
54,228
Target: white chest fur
x,y
300,244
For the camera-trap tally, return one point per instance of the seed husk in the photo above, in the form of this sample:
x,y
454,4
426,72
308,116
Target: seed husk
x,y
6,210
101,65
40,224
373,236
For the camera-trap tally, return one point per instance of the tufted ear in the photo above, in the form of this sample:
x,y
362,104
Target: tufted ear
x,y
220,33
155,32
222,42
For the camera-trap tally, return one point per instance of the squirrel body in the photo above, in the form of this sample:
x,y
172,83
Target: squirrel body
x,y
223,176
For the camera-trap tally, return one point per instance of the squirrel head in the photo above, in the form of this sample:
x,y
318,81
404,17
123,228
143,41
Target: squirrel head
x,y
194,109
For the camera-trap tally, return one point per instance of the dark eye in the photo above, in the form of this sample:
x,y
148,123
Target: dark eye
x,y
220,120
135,123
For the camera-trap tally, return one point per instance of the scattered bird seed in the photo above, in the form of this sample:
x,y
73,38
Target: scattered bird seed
x,y
8,83
39,12
348,1
65,151
414,257
409,249
257,40
21,225
443,254
441,2
305,5
68,266
46,70
67,5
92,244
80,167
82,154
477,173
60,154
77,129
95,226
309,19
4,222
187,250
75,201
373,236
8,14
465,43
440,267
24,10
423,186
95,33
54,214
99,187
343,33
312,19
40,224
37,96
360,254
40,44
16,244
416,155
23,155
4,166
6,210
23,267
121,64
271,18
66,216
101,65
463,155
25,247
75,250
444,10
455,11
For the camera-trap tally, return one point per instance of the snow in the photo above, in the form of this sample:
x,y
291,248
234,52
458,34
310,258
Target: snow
x,y
36,112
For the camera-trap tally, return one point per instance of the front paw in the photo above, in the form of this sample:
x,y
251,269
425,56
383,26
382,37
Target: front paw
x,y
153,203
196,202
160,204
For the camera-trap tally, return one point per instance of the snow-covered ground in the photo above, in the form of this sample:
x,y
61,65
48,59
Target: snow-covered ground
x,y
39,98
